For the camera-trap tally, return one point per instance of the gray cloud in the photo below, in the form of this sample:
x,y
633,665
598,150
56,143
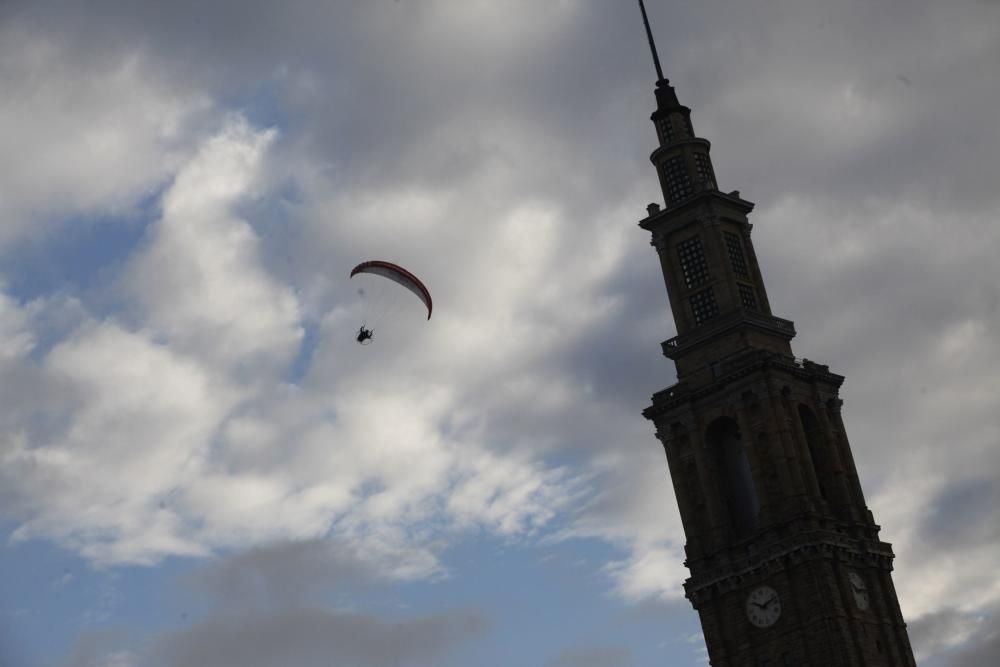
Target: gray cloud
x,y
282,575
266,611
269,605
592,657
315,637
99,648
982,653
965,513
932,633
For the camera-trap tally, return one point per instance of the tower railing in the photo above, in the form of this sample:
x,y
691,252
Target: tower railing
x,y
712,328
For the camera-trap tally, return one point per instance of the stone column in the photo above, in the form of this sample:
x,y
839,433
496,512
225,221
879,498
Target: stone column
x,y
778,455
854,483
799,435
671,444
749,443
792,460
842,493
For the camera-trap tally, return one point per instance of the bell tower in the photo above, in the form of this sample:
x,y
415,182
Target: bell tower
x,y
786,563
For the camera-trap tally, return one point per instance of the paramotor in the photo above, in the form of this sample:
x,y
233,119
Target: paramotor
x,y
379,296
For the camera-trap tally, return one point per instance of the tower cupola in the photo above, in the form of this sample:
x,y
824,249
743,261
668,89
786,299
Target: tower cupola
x,y
682,159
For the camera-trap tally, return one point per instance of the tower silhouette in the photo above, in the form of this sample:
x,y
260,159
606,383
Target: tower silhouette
x,y
786,563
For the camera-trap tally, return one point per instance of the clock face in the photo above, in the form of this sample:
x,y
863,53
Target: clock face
x,y
859,589
763,606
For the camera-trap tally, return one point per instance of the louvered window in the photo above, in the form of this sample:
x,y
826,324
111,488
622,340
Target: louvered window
x,y
665,130
682,126
747,296
736,259
678,181
703,306
693,264
704,167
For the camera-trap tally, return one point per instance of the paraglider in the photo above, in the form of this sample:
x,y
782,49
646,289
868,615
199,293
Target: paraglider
x,y
378,270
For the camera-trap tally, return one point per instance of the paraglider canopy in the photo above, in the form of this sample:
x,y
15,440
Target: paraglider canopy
x,y
397,274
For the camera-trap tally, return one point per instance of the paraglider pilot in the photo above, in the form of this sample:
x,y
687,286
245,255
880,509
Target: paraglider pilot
x,y
365,335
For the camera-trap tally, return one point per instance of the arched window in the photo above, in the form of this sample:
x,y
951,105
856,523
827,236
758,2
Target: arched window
x,y
736,485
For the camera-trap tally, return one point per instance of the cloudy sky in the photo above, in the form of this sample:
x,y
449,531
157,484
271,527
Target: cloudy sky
x,y
198,465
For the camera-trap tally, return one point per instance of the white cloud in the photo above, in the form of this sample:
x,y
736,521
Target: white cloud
x,y
16,339
137,410
137,420
178,435
649,572
200,280
120,659
87,134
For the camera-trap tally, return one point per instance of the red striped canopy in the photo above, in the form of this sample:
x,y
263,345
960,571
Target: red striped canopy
x,y
398,274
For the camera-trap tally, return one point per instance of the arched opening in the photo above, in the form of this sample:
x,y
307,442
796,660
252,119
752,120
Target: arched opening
x,y
821,460
689,483
736,485
687,487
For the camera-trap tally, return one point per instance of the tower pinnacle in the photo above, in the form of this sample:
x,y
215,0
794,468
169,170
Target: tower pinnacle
x,y
652,44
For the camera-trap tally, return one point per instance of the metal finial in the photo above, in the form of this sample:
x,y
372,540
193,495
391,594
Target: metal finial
x,y
652,44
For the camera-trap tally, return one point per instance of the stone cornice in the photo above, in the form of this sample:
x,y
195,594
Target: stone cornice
x,y
666,400
711,330
777,556
667,215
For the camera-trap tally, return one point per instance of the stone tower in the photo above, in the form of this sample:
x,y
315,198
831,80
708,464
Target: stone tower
x,y
786,564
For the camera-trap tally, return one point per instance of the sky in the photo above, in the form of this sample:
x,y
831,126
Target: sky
x,y
201,467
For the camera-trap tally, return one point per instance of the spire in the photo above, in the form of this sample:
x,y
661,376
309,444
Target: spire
x,y
652,44
666,98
